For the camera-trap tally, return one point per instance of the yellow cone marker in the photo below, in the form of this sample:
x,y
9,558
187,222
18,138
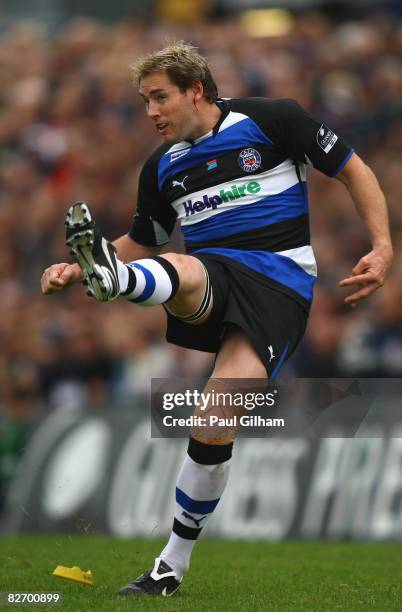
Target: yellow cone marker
x,y
74,573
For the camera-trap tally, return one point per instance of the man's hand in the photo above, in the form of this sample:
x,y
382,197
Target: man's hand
x,y
369,273
59,276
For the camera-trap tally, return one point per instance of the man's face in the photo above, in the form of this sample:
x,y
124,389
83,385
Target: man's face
x,y
172,111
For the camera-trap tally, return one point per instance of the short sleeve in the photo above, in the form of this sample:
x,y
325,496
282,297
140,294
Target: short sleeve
x,y
154,219
307,140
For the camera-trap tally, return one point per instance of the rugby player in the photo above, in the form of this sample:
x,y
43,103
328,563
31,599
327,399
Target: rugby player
x,y
233,173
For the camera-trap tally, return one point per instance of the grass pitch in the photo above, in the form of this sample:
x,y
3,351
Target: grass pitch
x,y
229,576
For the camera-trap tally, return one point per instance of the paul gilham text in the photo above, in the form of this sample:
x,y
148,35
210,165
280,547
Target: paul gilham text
x,y
247,420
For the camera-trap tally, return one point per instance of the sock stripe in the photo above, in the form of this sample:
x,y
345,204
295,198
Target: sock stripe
x,y
150,284
194,505
171,272
209,454
187,533
132,281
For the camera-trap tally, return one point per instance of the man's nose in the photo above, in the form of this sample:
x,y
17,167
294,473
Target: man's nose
x,y
153,109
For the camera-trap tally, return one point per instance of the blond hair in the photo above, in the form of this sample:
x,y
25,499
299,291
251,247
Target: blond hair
x,y
183,64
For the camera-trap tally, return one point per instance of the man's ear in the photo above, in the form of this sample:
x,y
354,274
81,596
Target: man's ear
x,y
198,91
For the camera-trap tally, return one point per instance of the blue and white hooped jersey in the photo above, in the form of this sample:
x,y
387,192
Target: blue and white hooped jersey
x,y
240,191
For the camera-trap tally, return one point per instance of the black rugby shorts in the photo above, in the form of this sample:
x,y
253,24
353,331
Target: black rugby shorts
x,y
274,322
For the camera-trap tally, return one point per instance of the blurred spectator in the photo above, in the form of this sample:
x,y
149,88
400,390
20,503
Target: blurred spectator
x,y
72,127
373,346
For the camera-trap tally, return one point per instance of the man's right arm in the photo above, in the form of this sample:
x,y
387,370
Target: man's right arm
x,y
61,275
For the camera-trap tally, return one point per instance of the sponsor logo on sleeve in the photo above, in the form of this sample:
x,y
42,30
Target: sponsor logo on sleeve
x,y
211,164
326,138
249,160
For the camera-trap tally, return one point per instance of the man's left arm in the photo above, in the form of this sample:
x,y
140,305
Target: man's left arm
x,y
370,271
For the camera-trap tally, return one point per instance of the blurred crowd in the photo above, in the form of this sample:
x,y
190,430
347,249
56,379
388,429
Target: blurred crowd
x,y
72,127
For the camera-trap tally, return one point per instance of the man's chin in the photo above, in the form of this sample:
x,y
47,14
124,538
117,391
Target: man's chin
x,y
170,138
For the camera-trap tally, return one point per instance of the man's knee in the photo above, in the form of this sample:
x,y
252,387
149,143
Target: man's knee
x,y
193,301
190,271
176,259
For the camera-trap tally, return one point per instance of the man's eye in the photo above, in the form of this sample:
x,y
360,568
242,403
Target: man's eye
x,y
161,97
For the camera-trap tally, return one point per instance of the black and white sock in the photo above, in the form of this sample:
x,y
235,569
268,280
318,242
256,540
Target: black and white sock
x,y
149,281
200,484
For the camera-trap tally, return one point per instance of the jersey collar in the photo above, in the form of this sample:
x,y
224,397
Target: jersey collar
x,y
225,110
